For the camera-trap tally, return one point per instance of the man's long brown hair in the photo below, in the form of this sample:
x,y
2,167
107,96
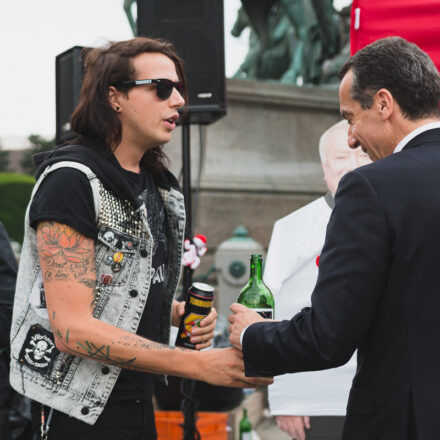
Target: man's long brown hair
x,y
94,117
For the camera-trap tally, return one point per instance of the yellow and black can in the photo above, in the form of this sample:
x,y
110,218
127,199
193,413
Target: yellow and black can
x,y
198,305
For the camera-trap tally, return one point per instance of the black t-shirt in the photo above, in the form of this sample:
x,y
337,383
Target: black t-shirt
x,y
65,196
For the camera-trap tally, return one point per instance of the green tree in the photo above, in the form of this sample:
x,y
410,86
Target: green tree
x,y
15,190
39,144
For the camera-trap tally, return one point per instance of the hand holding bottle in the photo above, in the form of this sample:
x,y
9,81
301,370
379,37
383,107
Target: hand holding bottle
x,y
197,318
241,318
203,335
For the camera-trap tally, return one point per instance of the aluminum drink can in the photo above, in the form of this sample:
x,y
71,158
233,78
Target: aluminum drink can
x,y
198,305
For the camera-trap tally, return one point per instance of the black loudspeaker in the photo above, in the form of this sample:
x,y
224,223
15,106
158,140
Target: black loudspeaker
x,y
68,77
196,28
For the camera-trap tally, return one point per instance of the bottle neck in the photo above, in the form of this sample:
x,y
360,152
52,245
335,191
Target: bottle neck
x,y
256,269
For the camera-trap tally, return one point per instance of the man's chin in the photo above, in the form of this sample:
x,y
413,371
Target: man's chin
x,y
165,138
162,140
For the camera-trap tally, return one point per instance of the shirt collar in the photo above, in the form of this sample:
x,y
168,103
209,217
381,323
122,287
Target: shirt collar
x,y
415,133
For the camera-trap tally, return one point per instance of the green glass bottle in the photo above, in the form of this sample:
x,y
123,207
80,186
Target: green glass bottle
x,y
245,427
256,295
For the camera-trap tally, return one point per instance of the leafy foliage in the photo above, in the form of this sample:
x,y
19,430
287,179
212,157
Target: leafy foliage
x,y
39,144
16,192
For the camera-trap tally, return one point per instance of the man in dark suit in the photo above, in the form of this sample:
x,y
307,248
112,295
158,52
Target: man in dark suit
x,y
378,288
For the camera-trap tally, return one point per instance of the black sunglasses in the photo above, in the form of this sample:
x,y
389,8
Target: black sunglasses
x,y
164,87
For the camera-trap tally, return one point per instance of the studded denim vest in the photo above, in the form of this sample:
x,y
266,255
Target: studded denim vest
x,y
77,386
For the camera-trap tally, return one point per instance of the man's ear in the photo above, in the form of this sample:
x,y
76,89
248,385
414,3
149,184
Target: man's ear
x,y
384,102
113,97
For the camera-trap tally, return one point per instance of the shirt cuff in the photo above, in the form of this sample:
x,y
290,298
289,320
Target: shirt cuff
x,y
241,336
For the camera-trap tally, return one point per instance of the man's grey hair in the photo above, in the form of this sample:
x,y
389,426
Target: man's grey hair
x,y
403,69
325,137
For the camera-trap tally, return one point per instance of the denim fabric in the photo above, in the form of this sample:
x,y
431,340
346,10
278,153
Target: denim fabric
x,y
76,386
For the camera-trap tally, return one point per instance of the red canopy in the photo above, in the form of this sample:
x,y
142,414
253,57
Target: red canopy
x,y
417,21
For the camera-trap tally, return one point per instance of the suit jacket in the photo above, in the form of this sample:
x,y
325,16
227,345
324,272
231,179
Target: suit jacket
x,y
378,290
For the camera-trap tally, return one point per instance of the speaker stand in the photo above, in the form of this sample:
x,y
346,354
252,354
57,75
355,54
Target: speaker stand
x,y
186,186
188,404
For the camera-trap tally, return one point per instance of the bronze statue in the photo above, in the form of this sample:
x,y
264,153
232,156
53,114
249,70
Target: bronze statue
x,y
248,69
331,66
300,33
129,13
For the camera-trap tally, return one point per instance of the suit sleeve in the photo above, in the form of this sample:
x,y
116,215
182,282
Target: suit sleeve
x,y
352,277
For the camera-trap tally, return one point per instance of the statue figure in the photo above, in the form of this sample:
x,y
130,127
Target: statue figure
x,y
331,66
270,45
281,45
129,13
295,37
328,26
303,20
248,69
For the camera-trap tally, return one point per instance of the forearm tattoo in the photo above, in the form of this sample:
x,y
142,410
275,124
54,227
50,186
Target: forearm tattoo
x,y
103,352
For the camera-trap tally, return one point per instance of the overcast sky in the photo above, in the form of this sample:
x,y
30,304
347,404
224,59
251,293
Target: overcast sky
x,y
33,32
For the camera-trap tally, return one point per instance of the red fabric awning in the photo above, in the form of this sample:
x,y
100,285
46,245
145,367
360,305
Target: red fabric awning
x,y
417,21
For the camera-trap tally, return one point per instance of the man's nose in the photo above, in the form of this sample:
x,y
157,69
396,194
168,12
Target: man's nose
x,y
177,100
352,141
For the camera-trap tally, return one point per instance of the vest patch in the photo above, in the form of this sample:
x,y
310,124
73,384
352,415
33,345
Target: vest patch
x,y
38,351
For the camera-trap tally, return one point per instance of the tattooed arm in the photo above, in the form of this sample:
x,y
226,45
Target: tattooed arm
x,y
68,268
